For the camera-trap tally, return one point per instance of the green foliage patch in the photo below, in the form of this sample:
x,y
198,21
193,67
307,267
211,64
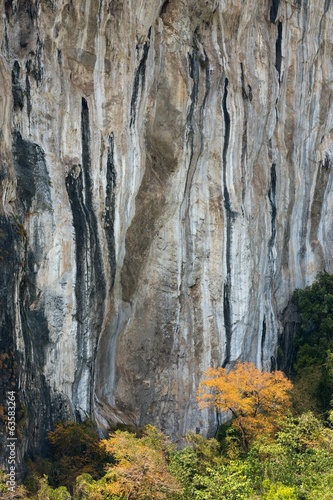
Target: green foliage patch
x,y
313,346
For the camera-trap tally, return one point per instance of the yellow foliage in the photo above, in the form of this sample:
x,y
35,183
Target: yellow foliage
x,y
141,469
255,398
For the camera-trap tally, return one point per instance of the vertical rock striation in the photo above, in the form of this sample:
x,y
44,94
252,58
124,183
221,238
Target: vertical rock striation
x,y
166,183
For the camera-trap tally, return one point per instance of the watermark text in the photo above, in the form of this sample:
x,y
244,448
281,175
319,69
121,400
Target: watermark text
x,y
11,440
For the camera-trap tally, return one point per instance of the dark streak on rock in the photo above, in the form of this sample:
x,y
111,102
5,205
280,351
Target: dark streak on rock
x,y
33,193
246,95
194,70
318,199
9,267
34,324
272,200
193,60
8,8
206,66
274,10
229,217
278,50
90,283
109,214
33,181
327,163
225,147
59,57
327,5
28,96
140,77
38,71
227,321
263,339
164,7
17,91
16,375
196,61
244,137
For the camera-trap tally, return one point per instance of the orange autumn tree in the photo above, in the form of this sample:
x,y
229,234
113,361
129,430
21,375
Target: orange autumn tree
x,y
141,470
255,399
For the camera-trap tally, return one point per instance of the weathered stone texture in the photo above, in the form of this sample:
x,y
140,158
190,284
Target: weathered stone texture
x,y
166,174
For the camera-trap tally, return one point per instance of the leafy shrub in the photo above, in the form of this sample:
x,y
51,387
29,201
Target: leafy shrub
x,y
313,346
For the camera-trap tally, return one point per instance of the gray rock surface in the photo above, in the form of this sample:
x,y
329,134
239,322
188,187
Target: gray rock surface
x,y
166,183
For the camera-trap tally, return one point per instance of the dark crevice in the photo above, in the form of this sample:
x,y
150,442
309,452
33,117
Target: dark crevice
x,y
196,62
28,96
17,91
140,77
205,65
247,95
243,158
225,147
164,7
90,283
227,322
194,71
274,10
229,219
59,57
327,163
8,8
109,213
38,70
263,339
278,50
272,200
86,159
327,5
244,94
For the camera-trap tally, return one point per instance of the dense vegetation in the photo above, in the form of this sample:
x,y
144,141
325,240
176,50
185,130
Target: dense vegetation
x,y
270,450
296,463
313,347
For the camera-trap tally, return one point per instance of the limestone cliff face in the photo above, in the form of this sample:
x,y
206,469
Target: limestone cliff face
x,y
166,183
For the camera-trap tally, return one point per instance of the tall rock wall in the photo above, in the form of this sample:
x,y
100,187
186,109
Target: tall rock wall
x,y
166,175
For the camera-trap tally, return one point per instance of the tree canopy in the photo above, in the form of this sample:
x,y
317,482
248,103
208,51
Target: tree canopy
x,y
141,466
254,398
313,345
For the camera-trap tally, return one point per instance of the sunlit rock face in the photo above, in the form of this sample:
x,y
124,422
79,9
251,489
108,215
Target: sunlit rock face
x,y
166,173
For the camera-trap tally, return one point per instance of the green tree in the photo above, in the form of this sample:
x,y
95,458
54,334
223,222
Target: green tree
x,y
76,449
313,346
299,457
206,474
278,491
45,492
5,493
194,462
